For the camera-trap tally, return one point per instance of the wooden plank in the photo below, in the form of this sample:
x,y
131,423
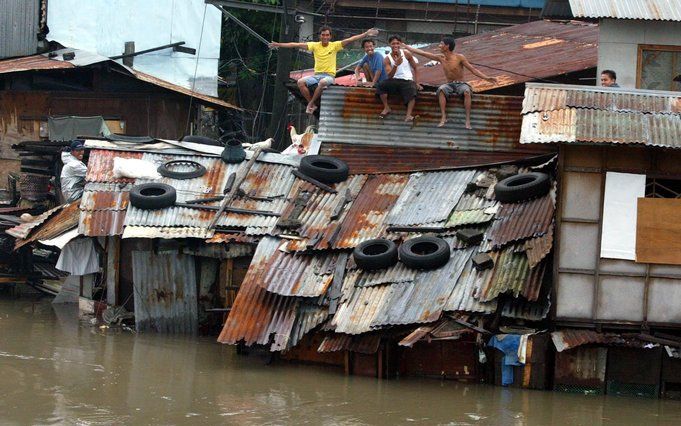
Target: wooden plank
x,y
658,231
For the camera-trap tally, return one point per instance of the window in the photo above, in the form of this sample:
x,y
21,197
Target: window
x,y
663,188
658,66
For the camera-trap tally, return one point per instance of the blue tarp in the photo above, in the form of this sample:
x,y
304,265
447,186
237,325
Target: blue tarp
x,y
508,344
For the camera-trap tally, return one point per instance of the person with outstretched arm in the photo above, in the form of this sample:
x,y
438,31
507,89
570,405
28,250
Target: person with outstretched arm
x,y
453,65
324,52
402,78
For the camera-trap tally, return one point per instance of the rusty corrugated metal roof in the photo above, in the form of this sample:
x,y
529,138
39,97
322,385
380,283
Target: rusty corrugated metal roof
x,y
59,222
519,221
513,275
43,62
428,197
422,300
465,293
258,314
397,273
652,10
298,274
522,309
23,230
572,338
364,344
390,159
356,314
308,317
349,115
538,248
579,114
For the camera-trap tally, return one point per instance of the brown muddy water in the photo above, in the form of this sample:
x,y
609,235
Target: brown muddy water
x,y
55,369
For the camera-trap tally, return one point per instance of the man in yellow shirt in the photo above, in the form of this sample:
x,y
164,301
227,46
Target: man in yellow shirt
x,y
324,52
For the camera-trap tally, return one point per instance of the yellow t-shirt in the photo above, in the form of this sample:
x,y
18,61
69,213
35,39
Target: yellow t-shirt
x,y
324,56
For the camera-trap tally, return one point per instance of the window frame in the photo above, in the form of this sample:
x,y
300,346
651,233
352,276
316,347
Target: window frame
x,y
658,47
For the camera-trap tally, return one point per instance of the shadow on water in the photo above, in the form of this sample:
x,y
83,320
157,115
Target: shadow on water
x,y
57,370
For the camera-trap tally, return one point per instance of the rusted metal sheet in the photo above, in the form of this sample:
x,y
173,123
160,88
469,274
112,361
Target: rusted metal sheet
x,y
362,306
423,300
572,338
574,114
308,317
397,273
220,251
22,231
257,314
315,218
366,217
31,63
538,248
365,344
522,309
100,165
540,97
389,159
301,275
520,221
165,292
651,10
465,293
101,223
428,198
223,237
166,232
63,220
512,274
468,217
349,115
105,196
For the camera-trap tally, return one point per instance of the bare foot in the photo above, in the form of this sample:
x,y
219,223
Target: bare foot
x,y
311,108
442,123
408,118
385,112
468,125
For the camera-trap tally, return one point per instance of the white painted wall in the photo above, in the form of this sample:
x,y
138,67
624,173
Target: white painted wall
x,y
103,27
619,40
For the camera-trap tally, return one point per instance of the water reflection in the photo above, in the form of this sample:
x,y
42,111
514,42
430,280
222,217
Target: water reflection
x,y
56,370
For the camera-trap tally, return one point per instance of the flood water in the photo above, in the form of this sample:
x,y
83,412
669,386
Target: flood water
x,y
55,369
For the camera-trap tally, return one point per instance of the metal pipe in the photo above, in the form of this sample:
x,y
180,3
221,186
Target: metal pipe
x,y
153,49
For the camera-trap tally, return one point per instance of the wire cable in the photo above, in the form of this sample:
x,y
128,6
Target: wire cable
x,y
196,68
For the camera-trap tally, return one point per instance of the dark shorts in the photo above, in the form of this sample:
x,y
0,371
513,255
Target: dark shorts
x,y
454,88
405,88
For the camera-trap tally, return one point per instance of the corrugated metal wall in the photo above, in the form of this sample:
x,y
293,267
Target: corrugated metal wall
x,y
165,292
19,23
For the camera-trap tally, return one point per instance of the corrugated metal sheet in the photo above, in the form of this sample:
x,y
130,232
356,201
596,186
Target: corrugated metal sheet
x,y
519,221
349,115
308,317
316,216
23,230
428,198
63,220
513,275
364,344
654,10
538,248
468,217
541,97
568,339
395,274
19,26
565,114
165,292
465,293
389,159
220,251
423,300
257,314
300,275
222,237
363,304
522,309
101,223
165,232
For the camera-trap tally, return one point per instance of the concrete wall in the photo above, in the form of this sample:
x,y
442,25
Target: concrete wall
x,y
619,41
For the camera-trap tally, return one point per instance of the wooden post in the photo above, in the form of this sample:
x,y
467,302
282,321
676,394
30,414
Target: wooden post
x,y
129,48
380,361
348,363
240,176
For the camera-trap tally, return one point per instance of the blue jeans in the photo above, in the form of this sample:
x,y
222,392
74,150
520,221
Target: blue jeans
x,y
318,78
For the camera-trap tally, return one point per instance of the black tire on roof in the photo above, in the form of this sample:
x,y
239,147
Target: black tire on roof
x,y
324,168
424,252
522,187
166,169
152,196
375,254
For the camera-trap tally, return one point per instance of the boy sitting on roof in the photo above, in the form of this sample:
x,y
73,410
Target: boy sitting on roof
x,y
452,65
371,65
324,52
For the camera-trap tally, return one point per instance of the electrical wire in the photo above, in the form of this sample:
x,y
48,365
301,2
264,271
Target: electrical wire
x,y
196,67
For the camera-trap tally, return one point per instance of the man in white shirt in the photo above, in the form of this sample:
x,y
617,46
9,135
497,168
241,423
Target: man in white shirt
x,y
73,173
